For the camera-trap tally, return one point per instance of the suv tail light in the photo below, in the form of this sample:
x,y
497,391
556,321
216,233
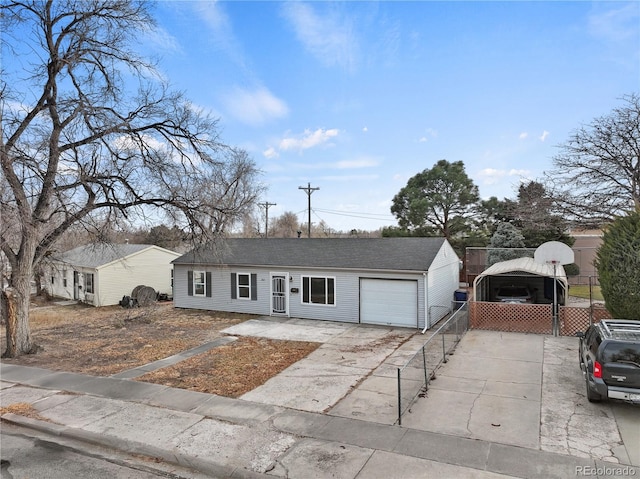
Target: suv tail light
x,y
597,370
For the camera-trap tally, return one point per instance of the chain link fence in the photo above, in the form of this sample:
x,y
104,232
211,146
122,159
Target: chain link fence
x,y
415,375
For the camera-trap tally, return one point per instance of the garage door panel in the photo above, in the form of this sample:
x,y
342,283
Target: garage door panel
x,y
389,302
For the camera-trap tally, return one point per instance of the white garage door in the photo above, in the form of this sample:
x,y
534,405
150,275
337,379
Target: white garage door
x,y
389,302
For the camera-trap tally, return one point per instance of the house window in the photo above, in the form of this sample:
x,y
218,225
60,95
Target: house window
x,y
244,285
53,279
199,283
318,290
64,278
88,283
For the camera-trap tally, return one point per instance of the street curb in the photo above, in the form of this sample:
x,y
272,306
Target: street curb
x,y
203,465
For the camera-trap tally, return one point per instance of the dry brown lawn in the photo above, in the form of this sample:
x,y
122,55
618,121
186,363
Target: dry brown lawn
x,y
109,340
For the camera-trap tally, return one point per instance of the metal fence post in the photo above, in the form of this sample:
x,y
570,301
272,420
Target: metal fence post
x,y
399,400
424,366
444,351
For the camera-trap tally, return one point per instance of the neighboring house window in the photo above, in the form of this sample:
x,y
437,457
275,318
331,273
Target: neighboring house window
x,y
52,280
199,283
88,283
244,286
64,278
318,290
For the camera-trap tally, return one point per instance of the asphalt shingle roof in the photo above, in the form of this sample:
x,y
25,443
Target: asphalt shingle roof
x,y
96,255
399,254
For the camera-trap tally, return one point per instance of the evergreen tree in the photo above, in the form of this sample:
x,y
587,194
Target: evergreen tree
x,y
505,244
618,265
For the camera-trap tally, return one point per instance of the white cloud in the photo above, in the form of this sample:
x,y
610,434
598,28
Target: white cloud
x,y
329,38
357,163
615,24
270,153
220,29
365,129
160,39
544,135
255,107
523,135
309,139
334,178
491,176
430,133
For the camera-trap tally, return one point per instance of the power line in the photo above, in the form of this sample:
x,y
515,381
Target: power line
x,y
266,205
354,214
308,190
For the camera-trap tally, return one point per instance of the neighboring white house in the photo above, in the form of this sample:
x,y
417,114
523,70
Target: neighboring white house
x,y
406,282
101,274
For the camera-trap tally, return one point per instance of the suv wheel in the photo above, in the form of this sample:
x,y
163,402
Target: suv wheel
x,y
592,396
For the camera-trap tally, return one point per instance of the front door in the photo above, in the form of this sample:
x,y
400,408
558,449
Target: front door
x,y
279,294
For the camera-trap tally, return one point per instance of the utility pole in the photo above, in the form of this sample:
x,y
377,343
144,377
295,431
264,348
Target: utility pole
x,y
266,205
308,190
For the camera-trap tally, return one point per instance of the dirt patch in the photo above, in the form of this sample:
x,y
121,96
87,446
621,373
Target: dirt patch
x,y
23,409
233,369
108,340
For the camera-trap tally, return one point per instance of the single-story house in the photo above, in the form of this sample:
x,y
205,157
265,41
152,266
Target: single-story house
x,y
406,282
101,274
525,272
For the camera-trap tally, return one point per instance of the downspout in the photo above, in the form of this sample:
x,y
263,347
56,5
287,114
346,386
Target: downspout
x,y
426,302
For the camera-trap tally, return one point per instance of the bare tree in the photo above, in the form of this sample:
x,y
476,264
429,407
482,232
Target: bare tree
x,y
596,175
285,226
221,198
250,225
90,133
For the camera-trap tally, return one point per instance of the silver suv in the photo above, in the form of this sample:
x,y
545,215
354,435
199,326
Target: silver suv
x,y
610,360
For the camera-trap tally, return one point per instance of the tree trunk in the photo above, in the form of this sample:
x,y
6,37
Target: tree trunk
x,y
15,302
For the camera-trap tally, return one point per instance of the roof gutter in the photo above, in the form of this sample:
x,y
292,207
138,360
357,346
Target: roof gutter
x,y
271,266
427,319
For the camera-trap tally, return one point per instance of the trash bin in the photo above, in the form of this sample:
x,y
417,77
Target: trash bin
x,y
459,297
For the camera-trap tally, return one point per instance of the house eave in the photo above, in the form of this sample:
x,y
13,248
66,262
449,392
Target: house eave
x,y
314,268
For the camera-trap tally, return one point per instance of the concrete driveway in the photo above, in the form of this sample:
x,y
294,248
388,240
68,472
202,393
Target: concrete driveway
x,y
525,390
511,388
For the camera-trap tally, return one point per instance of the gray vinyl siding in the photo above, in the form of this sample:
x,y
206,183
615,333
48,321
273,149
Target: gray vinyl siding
x,y
347,292
443,282
220,299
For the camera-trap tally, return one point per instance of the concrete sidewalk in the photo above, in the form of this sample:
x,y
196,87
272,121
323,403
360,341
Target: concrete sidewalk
x,y
237,438
504,405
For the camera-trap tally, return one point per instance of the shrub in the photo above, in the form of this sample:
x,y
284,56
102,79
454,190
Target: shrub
x,y
572,269
618,265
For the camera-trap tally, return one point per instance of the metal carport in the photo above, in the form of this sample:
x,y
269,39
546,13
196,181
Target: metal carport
x,y
522,271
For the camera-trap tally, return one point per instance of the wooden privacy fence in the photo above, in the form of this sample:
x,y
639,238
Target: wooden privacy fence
x,y
532,318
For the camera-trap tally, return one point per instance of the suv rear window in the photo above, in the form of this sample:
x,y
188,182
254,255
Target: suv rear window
x,y
620,352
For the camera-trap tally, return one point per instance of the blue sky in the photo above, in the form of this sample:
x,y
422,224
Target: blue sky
x,y
357,97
